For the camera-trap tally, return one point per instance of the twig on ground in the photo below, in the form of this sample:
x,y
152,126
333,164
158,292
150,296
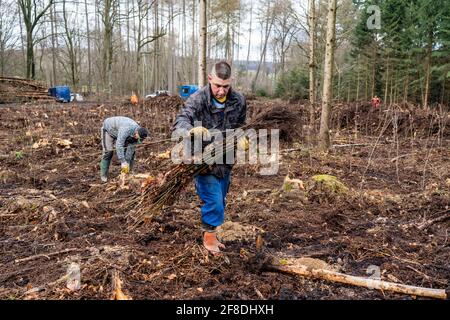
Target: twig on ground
x,y
47,255
428,223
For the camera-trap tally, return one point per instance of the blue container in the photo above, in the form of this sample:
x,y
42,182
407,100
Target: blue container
x,y
187,90
61,93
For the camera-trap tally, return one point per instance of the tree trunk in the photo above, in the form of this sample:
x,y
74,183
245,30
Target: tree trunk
x,y
127,63
249,35
156,53
348,92
52,23
394,73
338,98
138,75
268,29
428,70
99,80
358,78
193,56
406,87
31,17
109,16
172,52
238,42
31,67
312,65
70,49
124,83
324,134
183,42
374,63
22,46
202,80
387,81
228,40
366,91
88,36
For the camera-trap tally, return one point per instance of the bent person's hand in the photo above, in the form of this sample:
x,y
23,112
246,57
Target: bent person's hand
x,y
125,168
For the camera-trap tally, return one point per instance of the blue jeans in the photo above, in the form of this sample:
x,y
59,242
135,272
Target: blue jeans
x,y
212,191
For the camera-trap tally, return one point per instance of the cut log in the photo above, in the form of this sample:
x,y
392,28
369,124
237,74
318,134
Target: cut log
x,y
360,281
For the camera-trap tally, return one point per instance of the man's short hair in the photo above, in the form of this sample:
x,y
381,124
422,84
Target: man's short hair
x,y
221,70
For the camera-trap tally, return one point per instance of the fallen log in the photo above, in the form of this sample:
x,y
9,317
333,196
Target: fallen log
x,y
334,276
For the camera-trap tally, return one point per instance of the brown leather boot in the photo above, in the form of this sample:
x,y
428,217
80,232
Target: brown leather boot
x,y
211,243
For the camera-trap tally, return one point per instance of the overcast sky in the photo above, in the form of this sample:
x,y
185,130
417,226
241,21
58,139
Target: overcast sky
x,y
76,16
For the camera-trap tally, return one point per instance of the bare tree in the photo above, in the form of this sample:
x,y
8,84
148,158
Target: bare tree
x,y
144,8
156,46
69,37
284,28
194,47
268,17
53,40
7,40
249,35
324,134
108,19
312,64
171,79
31,17
202,44
88,37
428,68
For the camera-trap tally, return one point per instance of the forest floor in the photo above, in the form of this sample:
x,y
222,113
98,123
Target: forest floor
x,y
391,222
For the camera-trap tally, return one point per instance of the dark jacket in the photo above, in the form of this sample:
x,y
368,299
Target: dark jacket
x,y
199,107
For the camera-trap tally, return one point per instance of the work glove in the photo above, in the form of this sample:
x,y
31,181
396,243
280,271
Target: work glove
x,y
125,168
243,143
200,131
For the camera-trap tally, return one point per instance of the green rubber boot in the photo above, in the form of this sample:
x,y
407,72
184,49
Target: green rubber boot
x,y
132,162
104,166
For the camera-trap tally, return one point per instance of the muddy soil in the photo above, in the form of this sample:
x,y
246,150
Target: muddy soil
x,y
54,211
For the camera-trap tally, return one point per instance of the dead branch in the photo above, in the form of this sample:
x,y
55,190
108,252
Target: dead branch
x,y
349,145
399,157
47,255
428,223
360,281
46,286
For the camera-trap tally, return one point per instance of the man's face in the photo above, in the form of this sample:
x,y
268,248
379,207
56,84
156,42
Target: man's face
x,y
137,137
219,87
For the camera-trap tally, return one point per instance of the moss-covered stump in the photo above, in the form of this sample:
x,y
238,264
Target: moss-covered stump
x,y
324,187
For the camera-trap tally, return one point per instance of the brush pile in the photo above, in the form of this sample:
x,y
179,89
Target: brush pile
x,y
404,119
171,102
22,90
281,117
157,194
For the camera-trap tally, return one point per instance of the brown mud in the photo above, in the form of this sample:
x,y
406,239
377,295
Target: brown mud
x,y
54,211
